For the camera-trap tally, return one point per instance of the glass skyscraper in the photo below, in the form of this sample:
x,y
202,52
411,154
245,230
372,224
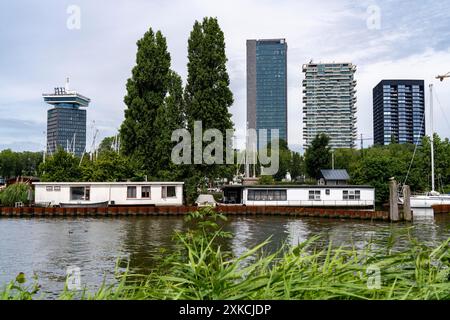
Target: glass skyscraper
x,y
66,122
398,111
330,103
267,87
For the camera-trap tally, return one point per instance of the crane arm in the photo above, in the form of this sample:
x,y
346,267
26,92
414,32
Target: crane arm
x,y
442,77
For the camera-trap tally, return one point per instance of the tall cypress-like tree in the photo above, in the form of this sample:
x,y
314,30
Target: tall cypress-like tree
x,y
207,94
170,117
146,92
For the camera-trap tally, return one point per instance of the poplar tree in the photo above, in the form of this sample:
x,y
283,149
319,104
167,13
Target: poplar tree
x,y
146,92
170,117
207,94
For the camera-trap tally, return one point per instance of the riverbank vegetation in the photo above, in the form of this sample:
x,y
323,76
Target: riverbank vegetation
x,y
201,268
18,192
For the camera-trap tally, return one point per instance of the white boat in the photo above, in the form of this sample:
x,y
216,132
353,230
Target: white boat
x,y
433,197
429,200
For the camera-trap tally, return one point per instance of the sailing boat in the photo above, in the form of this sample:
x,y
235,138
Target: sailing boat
x,y
433,197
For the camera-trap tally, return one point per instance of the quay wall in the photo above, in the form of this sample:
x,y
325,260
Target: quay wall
x,y
235,210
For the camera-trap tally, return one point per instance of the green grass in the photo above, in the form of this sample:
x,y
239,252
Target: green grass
x,y
201,269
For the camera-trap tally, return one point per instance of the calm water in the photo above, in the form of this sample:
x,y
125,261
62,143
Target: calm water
x,y
46,247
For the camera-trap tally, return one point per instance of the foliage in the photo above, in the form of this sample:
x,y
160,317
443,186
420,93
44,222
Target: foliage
x,y
18,290
18,192
207,94
318,156
170,117
13,164
106,145
296,166
109,166
146,92
266,180
61,167
377,164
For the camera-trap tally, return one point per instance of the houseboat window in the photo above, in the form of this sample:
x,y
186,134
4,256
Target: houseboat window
x,y
351,194
145,192
80,193
267,195
168,192
314,194
131,192
57,188
327,192
49,188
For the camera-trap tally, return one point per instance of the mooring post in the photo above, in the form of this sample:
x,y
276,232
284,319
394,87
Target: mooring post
x,y
393,201
407,214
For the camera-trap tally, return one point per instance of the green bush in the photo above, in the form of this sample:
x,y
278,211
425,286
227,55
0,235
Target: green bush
x,y
17,192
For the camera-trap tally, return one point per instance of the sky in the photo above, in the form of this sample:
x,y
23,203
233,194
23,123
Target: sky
x,y
41,44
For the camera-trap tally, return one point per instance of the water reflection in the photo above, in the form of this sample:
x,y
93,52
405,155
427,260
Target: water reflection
x,y
48,246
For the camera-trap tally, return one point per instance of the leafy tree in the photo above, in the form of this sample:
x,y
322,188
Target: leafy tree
x,y
14,164
146,93
9,163
61,167
106,145
170,117
284,159
109,166
297,165
207,94
318,155
266,180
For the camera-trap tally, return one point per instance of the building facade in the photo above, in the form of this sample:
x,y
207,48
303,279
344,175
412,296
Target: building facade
x,y
267,87
66,121
329,98
398,111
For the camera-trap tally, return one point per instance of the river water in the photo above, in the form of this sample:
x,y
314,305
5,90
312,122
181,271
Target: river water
x,y
48,246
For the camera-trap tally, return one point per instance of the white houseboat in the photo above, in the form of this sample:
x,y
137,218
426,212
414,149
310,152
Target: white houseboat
x,y
68,194
344,196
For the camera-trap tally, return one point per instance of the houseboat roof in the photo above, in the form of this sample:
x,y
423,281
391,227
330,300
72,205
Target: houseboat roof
x,y
138,183
338,174
302,186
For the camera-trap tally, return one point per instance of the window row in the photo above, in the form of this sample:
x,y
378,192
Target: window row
x,y
267,195
83,193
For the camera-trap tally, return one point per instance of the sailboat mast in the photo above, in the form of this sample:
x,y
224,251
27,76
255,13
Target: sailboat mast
x,y
432,138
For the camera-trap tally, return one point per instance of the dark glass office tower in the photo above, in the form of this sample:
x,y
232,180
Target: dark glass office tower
x,y
398,111
267,86
66,122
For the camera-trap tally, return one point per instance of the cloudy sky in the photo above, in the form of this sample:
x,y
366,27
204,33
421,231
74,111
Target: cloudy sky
x,y
386,39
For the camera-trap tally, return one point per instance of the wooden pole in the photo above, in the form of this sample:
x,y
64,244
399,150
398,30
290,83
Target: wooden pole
x,y
407,214
393,201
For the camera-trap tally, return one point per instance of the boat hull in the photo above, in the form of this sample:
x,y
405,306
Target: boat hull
x,y
84,205
429,201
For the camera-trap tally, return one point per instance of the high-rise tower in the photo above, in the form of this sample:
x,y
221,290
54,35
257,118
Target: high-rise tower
x,y
330,103
66,122
267,86
398,111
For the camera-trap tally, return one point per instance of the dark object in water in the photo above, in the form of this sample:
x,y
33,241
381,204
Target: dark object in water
x,y
103,204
